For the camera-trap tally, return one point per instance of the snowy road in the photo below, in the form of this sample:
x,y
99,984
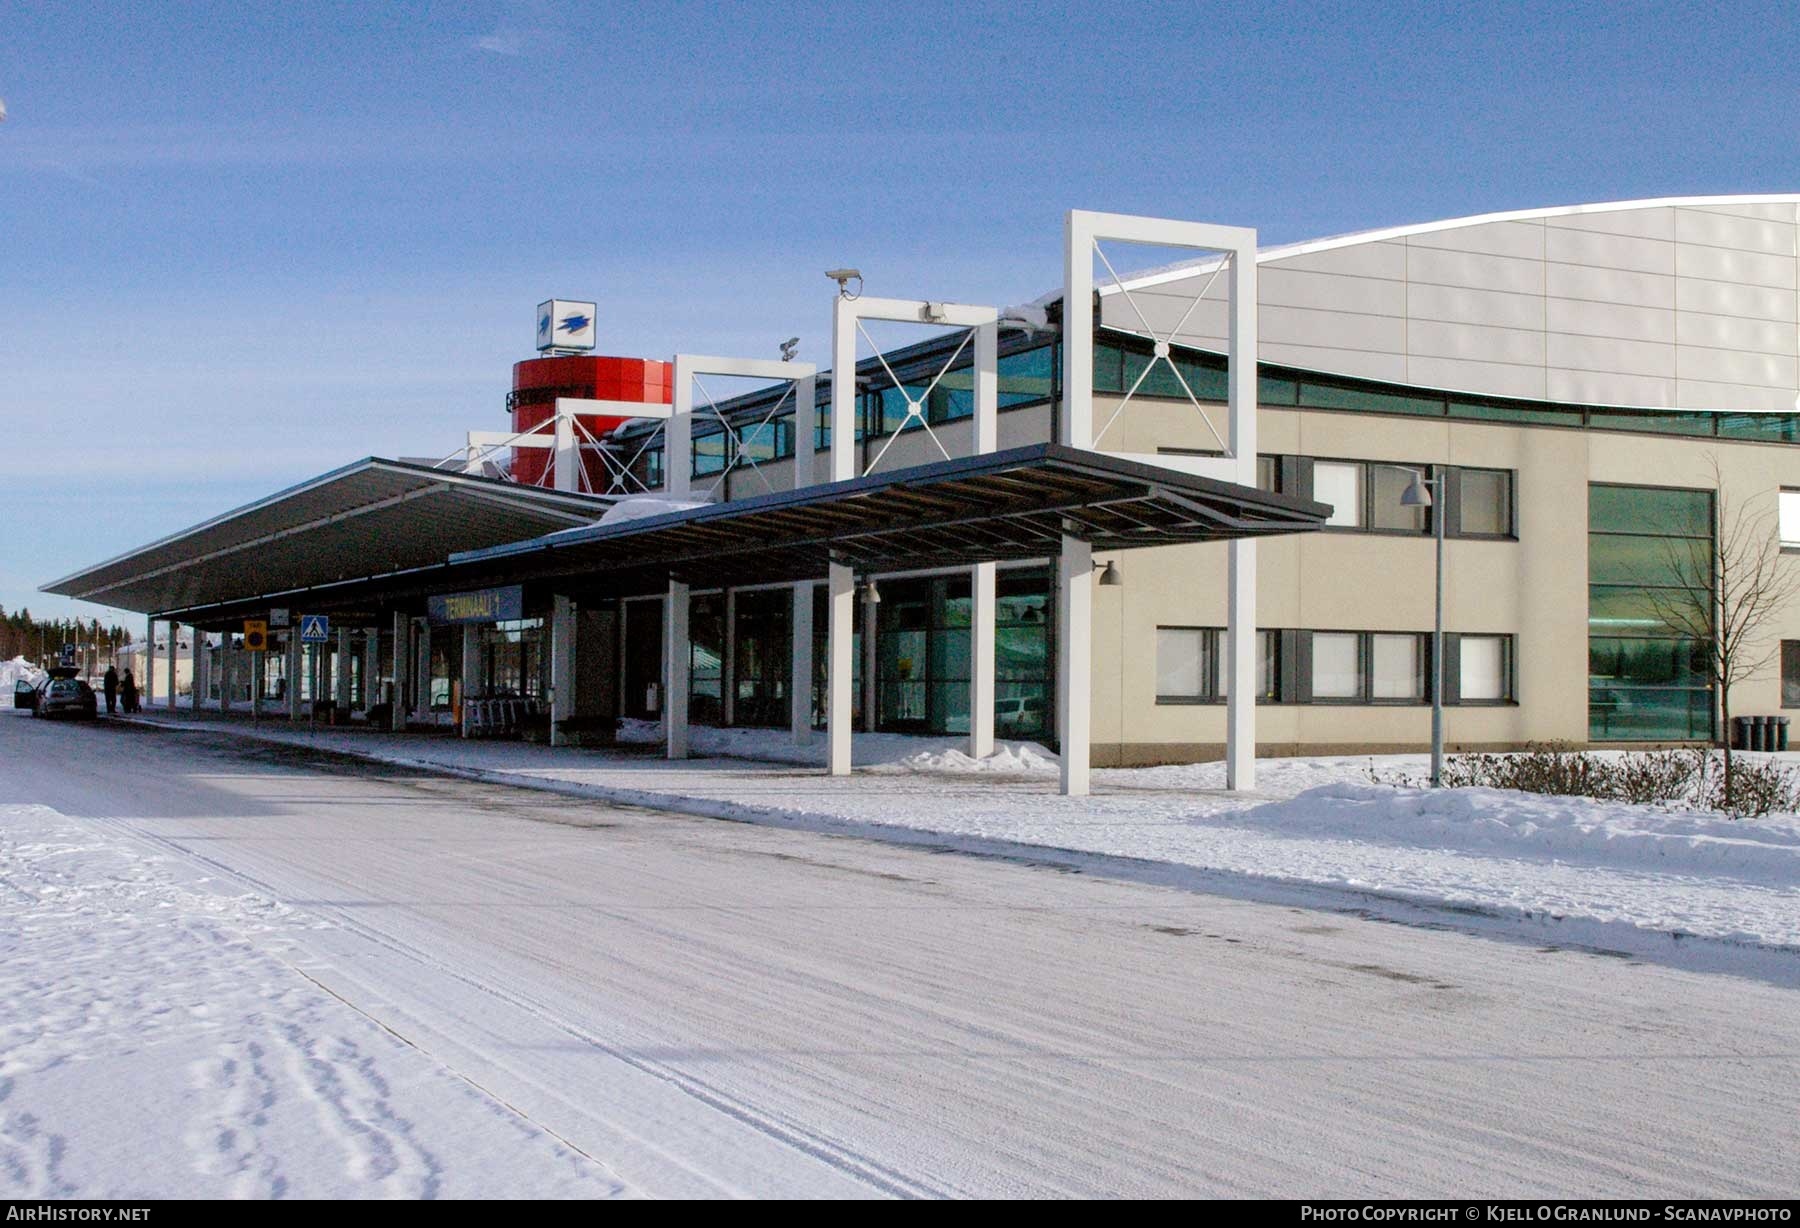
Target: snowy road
x,y
661,1005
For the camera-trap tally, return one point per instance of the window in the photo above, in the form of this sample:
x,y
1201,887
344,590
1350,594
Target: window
x,y
1186,669
1790,519
1397,667
1650,548
1483,673
1336,665
1484,503
1339,483
1191,665
1790,673
1367,667
1367,495
1388,485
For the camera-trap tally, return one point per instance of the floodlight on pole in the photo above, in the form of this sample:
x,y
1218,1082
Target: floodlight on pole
x,y
843,278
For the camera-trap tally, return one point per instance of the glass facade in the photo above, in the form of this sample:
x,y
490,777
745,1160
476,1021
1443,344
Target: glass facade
x,y
1647,680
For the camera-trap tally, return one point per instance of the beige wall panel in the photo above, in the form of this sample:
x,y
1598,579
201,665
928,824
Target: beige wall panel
x,y
1737,367
1447,268
1571,316
1743,234
1279,286
1524,239
1610,355
1550,576
1347,329
1736,333
1385,259
1477,342
1206,323
1600,285
1488,378
1698,394
1735,268
1611,251
1784,212
1658,223
1608,388
1743,302
1462,304
1382,366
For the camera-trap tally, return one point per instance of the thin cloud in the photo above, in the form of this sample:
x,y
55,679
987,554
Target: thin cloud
x,y
503,41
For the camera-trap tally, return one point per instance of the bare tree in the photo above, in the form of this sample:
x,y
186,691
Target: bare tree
x,y
1728,591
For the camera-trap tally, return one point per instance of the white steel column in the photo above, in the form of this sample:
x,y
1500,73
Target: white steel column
x,y
342,666
402,670
174,659
565,459
197,659
806,428
422,668
728,663
296,662
840,607
677,669
800,679
870,619
562,666
371,677
1075,661
1240,699
843,390
147,663
983,579
983,585
471,673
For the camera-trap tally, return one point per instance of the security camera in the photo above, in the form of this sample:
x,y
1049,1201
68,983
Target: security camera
x,y
843,277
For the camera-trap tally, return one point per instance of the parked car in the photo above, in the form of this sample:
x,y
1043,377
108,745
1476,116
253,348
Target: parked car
x,y
1024,713
67,697
25,695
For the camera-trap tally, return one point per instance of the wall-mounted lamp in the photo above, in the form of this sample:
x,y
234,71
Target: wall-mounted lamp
x,y
1109,574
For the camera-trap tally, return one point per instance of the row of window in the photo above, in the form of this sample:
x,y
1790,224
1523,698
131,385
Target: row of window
x,y
1366,495
1335,667
1031,376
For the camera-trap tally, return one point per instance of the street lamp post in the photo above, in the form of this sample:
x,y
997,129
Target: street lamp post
x,y
1428,493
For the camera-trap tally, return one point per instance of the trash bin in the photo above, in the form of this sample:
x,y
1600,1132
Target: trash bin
x,y
1781,733
1759,733
1740,733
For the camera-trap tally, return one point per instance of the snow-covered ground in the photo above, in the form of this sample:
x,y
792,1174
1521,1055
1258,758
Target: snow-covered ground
x,y
14,671
1602,874
157,1044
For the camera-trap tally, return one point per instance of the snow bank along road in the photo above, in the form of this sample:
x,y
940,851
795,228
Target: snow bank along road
x,y
475,988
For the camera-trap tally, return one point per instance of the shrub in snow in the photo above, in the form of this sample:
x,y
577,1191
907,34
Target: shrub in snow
x,y
1689,778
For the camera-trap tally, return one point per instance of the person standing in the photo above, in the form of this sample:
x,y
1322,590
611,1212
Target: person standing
x,y
128,693
110,686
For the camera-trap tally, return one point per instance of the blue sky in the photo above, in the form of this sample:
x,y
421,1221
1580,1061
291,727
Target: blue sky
x,y
242,243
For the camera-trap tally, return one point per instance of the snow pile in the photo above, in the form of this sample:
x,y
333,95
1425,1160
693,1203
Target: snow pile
x,y
642,507
16,670
886,752
129,972
1009,758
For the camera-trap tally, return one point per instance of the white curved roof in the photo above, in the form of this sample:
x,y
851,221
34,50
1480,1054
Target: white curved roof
x,y
1678,303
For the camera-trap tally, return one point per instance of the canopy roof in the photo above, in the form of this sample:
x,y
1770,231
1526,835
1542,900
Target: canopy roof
x,y
1016,504
383,534
368,518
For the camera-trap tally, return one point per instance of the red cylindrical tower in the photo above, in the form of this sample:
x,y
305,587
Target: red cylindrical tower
x,y
537,382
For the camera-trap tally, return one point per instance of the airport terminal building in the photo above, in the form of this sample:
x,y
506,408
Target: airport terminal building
x,y
1038,523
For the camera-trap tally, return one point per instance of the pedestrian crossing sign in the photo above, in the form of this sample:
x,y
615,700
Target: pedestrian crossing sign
x,y
314,628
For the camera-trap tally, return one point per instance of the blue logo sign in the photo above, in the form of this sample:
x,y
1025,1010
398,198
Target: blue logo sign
x,y
314,628
543,325
575,323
